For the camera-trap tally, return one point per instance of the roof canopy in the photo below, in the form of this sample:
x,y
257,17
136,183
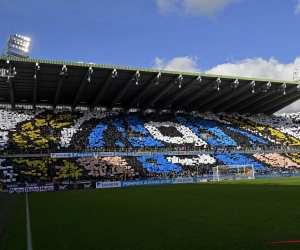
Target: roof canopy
x,y
65,83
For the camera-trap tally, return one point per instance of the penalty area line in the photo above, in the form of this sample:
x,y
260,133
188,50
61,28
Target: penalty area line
x,y
29,242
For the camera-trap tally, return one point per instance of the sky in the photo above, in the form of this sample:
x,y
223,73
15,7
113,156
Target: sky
x,y
249,38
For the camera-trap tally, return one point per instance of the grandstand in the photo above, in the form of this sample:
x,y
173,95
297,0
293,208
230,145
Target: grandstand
x,y
139,123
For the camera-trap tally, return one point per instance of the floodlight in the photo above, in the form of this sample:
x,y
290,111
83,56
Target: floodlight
x,y
234,84
179,81
17,46
282,88
63,72
114,73
136,77
265,89
156,81
253,85
7,73
217,84
90,72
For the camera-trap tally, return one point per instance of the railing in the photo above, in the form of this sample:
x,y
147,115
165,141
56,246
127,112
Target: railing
x,y
47,152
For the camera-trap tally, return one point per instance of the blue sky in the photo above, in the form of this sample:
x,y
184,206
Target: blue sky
x,y
233,37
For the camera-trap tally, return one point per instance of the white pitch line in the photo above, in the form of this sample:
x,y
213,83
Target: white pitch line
x,y
29,242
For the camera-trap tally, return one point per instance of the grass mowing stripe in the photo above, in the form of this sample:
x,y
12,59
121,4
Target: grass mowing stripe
x,y
8,207
29,242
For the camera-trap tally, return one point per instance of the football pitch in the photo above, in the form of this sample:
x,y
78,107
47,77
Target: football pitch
x,y
217,215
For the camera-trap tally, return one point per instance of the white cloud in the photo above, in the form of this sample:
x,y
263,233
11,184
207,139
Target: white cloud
x,y
297,7
255,67
184,64
194,7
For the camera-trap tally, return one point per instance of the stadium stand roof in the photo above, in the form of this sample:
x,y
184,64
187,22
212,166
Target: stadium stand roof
x,y
55,87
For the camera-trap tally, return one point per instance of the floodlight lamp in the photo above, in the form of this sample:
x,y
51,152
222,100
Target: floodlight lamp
x,y
156,81
179,81
217,85
136,77
114,73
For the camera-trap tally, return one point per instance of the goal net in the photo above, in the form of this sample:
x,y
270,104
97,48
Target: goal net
x,y
233,172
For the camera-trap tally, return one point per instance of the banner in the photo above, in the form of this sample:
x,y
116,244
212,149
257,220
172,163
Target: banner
x,y
142,153
112,184
150,153
61,155
105,154
277,175
31,189
203,179
194,152
182,180
121,153
254,151
62,187
83,154
17,190
146,182
47,188
87,185
161,153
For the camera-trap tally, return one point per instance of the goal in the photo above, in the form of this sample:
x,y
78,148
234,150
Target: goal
x,y
233,172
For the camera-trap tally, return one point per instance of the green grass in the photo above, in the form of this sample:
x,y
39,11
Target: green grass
x,y
224,215
8,206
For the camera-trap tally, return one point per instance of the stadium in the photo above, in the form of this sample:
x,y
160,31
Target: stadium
x,y
69,126
95,156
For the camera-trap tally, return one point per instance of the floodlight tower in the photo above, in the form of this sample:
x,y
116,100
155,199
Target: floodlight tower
x,y
17,46
296,75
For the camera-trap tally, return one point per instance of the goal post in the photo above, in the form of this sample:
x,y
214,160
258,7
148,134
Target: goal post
x,y
233,172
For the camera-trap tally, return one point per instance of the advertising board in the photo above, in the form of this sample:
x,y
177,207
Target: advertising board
x,y
61,155
182,180
83,154
148,182
112,184
31,189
